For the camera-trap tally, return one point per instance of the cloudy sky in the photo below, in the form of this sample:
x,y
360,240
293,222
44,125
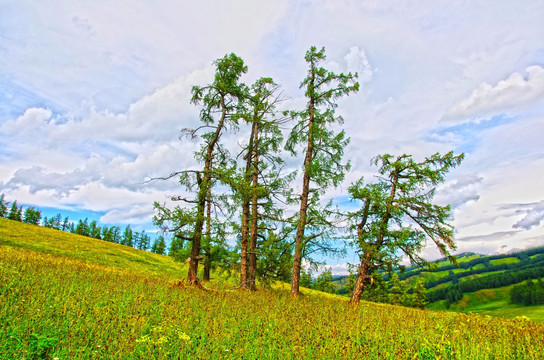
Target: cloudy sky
x,y
93,95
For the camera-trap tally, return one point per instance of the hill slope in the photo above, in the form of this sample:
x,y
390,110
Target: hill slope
x,y
64,301
480,284
56,242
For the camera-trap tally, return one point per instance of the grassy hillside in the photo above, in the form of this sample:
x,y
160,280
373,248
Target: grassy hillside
x,y
60,243
61,298
494,302
489,301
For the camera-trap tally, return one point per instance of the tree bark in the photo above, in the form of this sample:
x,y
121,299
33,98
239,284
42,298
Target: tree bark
x,y
208,247
192,276
299,238
246,206
243,245
254,210
363,277
203,188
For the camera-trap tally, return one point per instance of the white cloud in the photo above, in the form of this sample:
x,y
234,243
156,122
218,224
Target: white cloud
x,y
533,215
459,191
32,119
510,94
136,214
339,269
357,62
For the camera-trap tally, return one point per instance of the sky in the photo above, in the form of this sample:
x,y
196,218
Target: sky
x,y
93,95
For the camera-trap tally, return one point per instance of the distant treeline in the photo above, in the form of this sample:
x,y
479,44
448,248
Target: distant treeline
x,y
528,293
522,256
534,270
525,261
114,234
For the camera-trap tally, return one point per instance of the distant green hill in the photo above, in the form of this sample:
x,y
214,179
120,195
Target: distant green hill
x,y
479,283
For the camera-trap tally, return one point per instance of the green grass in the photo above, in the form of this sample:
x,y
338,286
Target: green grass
x,y
56,242
460,259
56,304
508,260
493,302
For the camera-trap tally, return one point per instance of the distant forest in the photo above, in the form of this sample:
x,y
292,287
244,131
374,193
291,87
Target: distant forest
x,y
128,237
530,266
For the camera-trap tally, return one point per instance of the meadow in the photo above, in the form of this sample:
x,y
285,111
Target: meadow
x,y
60,303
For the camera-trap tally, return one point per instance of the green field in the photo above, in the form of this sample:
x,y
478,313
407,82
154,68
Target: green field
x,y
508,260
493,302
69,297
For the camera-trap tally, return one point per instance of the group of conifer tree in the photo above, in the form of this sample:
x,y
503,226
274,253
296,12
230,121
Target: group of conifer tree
x,y
528,293
30,215
245,194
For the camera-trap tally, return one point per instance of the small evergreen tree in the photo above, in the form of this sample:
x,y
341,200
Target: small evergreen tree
x,y
15,213
3,207
94,229
143,241
396,290
115,234
306,279
159,246
65,224
275,255
127,237
406,298
106,234
82,227
350,281
324,282
419,296
32,216
377,290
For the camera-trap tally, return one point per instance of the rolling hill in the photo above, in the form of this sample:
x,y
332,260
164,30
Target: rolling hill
x,y
69,297
479,283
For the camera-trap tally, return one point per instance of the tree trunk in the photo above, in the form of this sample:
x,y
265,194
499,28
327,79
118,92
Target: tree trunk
x,y
208,244
254,211
363,277
365,268
204,185
192,276
299,238
243,244
244,278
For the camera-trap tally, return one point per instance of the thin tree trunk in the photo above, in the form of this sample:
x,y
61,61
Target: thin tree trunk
x,y
203,187
254,211
208,246
192,276
299,238
244,278
243,244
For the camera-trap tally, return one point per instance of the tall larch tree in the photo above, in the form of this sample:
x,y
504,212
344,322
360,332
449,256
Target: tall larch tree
x,y
261,177
398,216
323,147
221,102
